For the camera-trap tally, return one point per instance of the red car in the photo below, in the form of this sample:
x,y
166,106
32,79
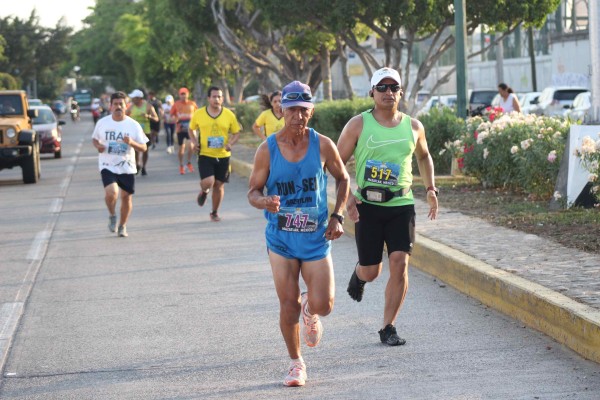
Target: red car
x,y
49,130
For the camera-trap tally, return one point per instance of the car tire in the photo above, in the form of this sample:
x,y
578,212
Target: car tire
x,y
31,166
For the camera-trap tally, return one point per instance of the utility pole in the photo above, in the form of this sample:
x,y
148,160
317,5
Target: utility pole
x,y
594,30
532,58
460,24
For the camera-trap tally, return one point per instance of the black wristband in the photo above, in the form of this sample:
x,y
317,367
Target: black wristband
x,y
338,217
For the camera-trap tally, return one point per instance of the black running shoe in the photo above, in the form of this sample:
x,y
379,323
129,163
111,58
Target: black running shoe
x,y
389,336
144,173
356,287
202,198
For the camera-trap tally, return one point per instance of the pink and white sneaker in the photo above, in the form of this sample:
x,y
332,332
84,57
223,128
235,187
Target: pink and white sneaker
x,y
296,375
312,329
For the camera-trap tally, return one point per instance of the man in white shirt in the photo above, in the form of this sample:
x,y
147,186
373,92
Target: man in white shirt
x,y
117,138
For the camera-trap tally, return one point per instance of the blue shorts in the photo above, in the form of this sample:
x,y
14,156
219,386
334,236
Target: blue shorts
x,y
298,246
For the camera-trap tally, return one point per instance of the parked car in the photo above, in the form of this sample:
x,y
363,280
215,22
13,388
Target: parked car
x,y
555,100
438,101
580,108
480,99
49,130
59,107
35,102
529,101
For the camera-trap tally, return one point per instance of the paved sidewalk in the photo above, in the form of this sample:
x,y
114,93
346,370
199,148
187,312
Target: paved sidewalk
x,y
570,272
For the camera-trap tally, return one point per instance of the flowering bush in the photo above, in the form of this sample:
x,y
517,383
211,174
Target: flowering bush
x,y
589,155
520,152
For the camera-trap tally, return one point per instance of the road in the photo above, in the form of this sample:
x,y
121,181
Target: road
x,y
185,308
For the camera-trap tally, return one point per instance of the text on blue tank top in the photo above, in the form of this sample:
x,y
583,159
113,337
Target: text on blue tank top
x,y
301,187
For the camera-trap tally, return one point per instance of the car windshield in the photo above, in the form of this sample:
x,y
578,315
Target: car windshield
x,y
45,116
567,94
11,105
483,97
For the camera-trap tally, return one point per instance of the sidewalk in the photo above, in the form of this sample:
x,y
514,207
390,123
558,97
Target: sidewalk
x,y
549,287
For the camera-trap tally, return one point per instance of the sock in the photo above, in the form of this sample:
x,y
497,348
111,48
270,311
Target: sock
x,y
300,359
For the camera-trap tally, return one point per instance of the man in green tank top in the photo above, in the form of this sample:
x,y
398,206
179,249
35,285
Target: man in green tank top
x,y
383,141
143,113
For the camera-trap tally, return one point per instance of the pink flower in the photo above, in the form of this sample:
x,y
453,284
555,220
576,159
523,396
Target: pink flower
x,y
552,156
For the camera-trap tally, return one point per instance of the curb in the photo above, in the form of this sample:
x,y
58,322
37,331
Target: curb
x,y
571,323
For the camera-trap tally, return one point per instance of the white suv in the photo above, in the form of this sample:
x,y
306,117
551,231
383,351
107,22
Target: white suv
x,y
555,100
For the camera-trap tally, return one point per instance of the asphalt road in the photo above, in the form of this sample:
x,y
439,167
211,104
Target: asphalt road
x,y
185,308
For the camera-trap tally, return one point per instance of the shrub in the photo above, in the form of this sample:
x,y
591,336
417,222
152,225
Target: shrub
x,y
247,113
520,152
441,125
331,116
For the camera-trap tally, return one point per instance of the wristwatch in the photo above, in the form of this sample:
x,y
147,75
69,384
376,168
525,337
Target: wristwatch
x,y
338,217
433,189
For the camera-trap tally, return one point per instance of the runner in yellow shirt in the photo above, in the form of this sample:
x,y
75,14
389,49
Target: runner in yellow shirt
x,y
213,124
271,119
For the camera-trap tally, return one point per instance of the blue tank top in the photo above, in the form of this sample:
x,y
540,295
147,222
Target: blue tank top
x,y
302,189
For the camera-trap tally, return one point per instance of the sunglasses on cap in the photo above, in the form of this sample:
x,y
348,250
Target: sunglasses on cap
x,y
296,96
383,87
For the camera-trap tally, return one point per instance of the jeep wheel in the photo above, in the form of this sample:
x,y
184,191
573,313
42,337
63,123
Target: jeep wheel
x,y
58,154
31,166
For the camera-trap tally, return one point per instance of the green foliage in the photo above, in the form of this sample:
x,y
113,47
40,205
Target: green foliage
x,y
247,113
331,116
513,151
8,82
30,52
441,125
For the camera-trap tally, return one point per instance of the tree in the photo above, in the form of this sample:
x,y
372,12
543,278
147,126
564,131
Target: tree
x,y
33,54
96,47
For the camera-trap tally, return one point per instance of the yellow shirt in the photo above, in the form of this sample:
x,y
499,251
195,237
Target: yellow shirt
x,y
270,122
214,132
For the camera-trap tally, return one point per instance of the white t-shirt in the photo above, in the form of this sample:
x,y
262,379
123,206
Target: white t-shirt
x,y
167,111
507,105
118,157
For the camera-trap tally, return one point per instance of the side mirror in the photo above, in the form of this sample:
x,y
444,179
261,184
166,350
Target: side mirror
x,y
32,113
536,100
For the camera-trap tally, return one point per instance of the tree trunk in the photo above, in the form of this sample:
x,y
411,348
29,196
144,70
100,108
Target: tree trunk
x,y
343,57
326,71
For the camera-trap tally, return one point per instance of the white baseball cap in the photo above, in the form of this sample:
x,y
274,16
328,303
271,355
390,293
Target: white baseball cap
x,y
136,93
383,73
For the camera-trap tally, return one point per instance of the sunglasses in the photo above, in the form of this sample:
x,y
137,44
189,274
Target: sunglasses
x,y
383,87
296,96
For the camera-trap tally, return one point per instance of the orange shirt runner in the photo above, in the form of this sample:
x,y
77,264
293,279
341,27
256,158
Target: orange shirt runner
x,y
182,111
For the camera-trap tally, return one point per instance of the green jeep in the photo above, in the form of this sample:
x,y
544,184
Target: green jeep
x,y
19,144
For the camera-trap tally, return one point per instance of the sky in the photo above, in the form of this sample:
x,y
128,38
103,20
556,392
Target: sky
x,y
49,11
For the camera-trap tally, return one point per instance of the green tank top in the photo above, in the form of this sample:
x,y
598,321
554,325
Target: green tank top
x,y
384,158
137,113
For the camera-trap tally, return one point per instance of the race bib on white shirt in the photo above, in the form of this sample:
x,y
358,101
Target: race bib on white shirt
x,y
118,157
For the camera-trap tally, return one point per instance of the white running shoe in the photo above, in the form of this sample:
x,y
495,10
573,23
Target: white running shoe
x,y
312,329
170,150
296,375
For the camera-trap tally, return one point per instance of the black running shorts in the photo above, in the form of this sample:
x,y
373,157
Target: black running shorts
x,y
181,136
394,226
217,167
124,181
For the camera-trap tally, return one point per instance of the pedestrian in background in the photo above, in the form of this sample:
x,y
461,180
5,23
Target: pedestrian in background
x,y
291,165
213,124
382,141
155,125
117,138
141,111
271,119
169,122
508,100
